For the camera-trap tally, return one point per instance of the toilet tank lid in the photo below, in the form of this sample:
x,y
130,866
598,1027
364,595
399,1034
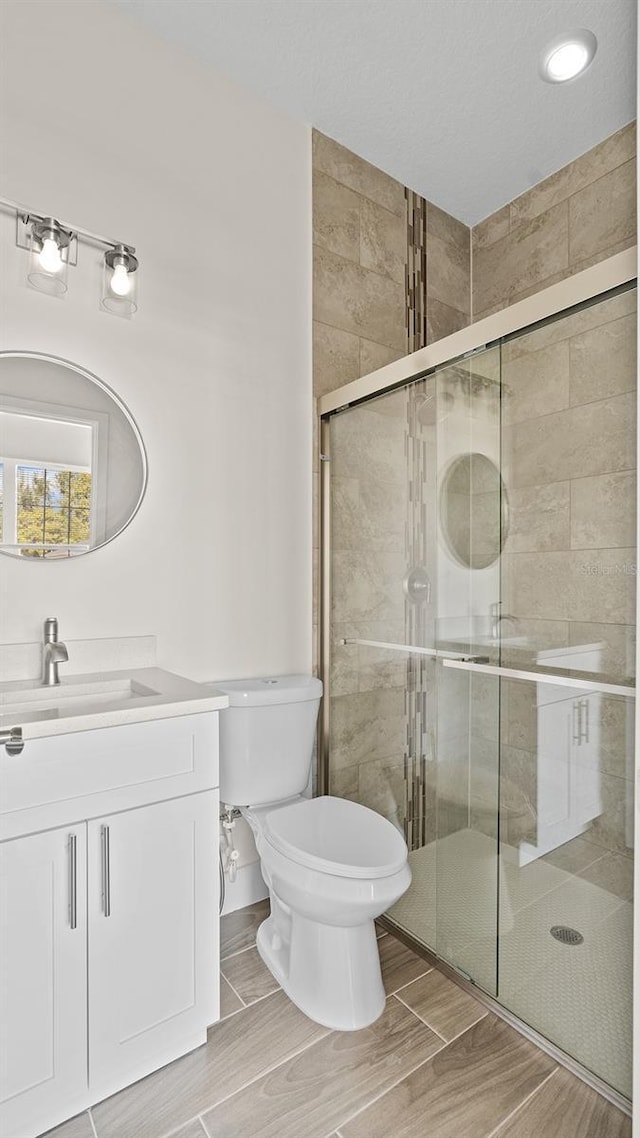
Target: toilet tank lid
x,y
270,689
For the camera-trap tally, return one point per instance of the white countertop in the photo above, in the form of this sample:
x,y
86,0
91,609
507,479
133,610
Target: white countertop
x,y
102,699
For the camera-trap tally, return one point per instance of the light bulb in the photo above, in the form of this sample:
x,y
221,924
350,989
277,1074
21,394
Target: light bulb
x,y
567,56
49,256
120,282
567,61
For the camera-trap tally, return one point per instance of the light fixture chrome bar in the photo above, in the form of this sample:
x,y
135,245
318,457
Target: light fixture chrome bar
x,y
27,215
561,679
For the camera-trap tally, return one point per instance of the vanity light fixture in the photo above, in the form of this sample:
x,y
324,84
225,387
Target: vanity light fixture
x,y
119,291
48,255
53,246
567,56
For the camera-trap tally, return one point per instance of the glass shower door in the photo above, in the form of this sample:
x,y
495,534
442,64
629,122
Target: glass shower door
x,y
469,502
483,562
567,747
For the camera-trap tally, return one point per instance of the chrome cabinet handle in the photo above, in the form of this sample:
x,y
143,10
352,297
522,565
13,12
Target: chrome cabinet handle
x,y
584,735
106,871
576,710
73,881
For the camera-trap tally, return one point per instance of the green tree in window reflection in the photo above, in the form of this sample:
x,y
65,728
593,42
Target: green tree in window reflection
x,y
53,510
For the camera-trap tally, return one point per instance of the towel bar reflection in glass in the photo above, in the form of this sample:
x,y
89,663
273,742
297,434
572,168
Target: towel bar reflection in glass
x,y
73,469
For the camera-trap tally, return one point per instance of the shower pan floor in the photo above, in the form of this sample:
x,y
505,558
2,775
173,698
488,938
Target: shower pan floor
x,y
577,996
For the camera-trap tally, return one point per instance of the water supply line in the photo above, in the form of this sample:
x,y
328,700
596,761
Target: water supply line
x,y
229,854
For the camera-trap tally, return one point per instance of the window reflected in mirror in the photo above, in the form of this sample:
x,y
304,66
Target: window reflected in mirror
x,y
72,464
46,498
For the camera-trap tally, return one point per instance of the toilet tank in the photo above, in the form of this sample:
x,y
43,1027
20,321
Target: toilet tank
x,y
266,738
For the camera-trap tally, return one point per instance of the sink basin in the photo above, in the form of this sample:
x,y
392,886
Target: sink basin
x,y
101,699
24,704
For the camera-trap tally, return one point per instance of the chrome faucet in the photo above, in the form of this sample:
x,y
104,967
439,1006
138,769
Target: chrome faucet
x,y
54,652
495,616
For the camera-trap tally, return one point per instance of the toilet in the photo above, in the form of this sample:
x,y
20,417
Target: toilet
x,y
331,865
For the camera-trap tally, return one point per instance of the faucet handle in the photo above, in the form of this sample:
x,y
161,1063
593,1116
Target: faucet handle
x,y
51,629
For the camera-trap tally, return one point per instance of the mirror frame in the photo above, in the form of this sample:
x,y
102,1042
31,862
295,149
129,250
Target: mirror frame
x,y
86,374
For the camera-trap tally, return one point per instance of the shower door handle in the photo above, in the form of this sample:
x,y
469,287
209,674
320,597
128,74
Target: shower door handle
x,y
558,679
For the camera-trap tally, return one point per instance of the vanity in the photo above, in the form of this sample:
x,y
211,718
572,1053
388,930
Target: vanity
x,y
109,875
108,887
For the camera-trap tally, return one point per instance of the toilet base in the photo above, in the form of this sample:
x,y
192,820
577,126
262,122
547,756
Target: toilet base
x,y
331,973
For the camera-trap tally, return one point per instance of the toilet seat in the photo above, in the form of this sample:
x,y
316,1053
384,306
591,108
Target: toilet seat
x,y
336,836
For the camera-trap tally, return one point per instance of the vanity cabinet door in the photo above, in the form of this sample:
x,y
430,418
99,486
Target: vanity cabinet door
x,y
153,924
43,992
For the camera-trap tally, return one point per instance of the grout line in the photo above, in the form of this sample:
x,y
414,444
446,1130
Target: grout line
x,y
245,1007
392,1086
237,952
496,1132
294,1054
484,1012
227,981
408,984
93,1125
238,1090
421,1020
269,1070
176,1129
320,170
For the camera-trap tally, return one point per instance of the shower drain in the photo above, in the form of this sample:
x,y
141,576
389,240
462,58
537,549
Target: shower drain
x,y
566,935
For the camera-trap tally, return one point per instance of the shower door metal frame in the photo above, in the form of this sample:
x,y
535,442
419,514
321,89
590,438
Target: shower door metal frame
x,y
590,286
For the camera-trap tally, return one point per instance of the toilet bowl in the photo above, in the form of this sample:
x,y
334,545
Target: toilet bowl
x,y
331,865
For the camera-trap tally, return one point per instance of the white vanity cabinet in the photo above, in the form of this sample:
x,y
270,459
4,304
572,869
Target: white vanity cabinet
x,y
109,950
152,916
43,967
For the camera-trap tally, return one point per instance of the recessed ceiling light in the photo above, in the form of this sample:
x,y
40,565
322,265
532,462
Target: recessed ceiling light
x,y
567,56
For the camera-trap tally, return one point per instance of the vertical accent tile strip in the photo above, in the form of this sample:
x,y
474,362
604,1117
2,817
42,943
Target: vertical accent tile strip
x,y
418,667
416,275
420,670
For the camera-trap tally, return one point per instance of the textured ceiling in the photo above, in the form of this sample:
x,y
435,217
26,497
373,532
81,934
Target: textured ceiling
x,y
443,94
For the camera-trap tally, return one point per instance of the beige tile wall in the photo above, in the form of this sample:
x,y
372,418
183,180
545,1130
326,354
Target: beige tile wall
x,y
359,272
582,214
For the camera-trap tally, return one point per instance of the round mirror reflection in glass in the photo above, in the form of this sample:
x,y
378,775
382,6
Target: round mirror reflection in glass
x,y
474,510
73,469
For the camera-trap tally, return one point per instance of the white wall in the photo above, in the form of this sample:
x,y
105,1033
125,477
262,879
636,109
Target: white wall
x,y
109,128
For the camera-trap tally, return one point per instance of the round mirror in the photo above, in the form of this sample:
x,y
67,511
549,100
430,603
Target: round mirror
x,y
73,469
474,510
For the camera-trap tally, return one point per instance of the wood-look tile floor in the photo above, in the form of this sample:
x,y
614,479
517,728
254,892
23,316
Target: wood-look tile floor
x,y
435,1064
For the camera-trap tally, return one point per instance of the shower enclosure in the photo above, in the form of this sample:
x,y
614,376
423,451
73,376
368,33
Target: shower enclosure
x,y
479,553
